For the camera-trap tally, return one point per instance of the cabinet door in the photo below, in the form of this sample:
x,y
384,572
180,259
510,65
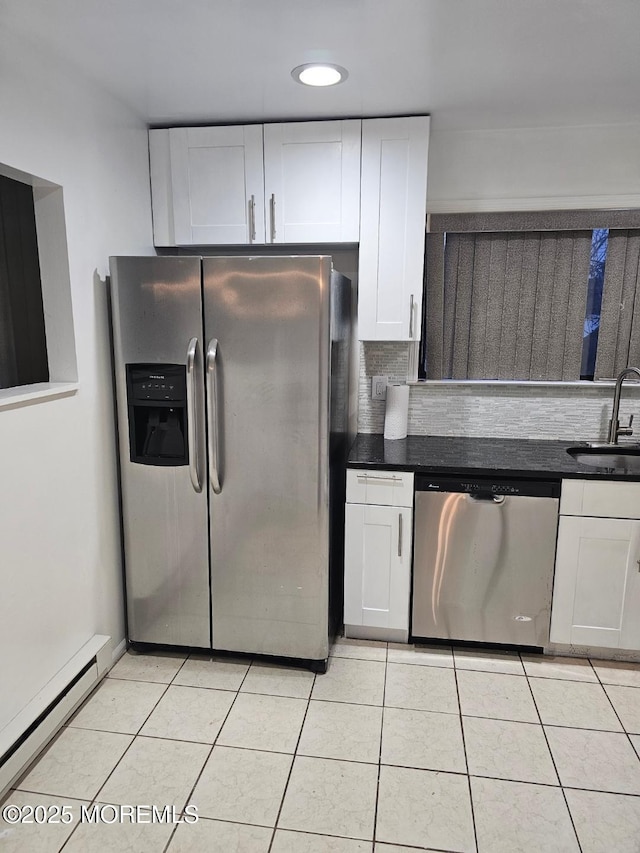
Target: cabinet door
x,y
596,596
312,182
207,185
377,566
392,228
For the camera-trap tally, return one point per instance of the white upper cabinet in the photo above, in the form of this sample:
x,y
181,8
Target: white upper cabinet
x,y
207,185
312,182
393,209
229,185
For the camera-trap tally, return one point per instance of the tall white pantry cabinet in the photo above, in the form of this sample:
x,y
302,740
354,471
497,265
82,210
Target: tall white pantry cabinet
x,y
393,215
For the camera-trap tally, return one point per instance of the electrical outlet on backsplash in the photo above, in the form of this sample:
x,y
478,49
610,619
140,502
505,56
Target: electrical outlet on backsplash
x,y
378,359
563,411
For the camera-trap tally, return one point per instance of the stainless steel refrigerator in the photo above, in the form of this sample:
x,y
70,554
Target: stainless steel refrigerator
x,y
232,387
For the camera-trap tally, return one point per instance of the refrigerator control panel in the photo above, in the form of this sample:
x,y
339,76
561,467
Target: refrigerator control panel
x,y
164,382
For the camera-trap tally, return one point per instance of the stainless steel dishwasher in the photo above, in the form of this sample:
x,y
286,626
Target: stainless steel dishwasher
x,y
483,559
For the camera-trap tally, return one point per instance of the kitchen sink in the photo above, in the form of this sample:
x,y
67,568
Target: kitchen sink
x,y
617,458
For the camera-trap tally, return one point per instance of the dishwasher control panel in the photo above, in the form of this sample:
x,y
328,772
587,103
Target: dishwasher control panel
x,y
488,486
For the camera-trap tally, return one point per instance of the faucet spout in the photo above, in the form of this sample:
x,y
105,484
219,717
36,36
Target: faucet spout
x,y
615,430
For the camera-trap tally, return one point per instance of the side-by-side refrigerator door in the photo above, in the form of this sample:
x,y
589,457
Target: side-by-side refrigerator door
x,y
157,329
267,333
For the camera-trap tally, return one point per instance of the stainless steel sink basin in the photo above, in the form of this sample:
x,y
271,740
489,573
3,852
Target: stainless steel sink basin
x,y
617,458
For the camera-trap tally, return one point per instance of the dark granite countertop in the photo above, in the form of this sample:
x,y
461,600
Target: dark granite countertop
x,y
526,458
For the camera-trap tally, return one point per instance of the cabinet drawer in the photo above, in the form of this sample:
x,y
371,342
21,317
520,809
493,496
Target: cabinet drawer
x,y
600,499
383,488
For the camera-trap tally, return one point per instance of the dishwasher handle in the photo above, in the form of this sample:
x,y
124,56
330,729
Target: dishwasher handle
x,y
487,496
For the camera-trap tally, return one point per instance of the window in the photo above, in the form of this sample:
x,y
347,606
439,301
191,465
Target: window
x,y
597,261
531,296
37,340
23,349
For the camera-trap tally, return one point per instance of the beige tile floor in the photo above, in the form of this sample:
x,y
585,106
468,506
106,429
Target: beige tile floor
x,y
395,749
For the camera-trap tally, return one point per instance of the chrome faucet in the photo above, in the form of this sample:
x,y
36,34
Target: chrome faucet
x,y
615,429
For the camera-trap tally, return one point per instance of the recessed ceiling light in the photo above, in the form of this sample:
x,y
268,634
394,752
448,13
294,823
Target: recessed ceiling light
x,y
319,74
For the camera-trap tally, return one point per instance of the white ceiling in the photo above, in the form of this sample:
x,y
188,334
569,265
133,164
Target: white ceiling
x,y
470,63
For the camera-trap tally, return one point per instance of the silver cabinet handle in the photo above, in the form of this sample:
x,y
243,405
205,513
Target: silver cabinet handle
x,y
192,426
399,534
272,210
391,479
252,219
212,414
411,317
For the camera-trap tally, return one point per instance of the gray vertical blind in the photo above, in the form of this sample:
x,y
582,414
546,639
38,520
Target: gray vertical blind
x,y
619,332
506,305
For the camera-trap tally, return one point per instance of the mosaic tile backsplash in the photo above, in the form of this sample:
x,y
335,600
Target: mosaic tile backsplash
x,y
577,413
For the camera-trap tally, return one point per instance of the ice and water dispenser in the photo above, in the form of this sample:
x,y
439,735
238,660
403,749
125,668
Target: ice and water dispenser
x,y
157,404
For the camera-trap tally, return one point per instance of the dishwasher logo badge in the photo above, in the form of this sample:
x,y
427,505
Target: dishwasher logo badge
x,y
522,619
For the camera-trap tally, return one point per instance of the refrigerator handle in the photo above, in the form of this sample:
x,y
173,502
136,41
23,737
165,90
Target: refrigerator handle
x,y
194,466
252,219
272,211
212,411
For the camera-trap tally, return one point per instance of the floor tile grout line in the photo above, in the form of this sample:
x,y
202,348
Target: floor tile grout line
x,y
614,684
466,760
555,767
293,760
134,656
621,731
353,760
555,787
41,794
206,761
138,730
365,764
546,740
618,717
180,668
601,791
380,765
87,700
94,799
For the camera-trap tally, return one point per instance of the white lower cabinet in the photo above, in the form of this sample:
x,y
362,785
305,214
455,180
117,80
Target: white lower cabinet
x,y
378,549
596,597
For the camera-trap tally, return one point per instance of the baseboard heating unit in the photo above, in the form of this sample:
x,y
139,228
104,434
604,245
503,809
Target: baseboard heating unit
x,y
33,727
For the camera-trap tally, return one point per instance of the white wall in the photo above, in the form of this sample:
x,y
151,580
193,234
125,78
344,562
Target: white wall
x,y
60,566
534,168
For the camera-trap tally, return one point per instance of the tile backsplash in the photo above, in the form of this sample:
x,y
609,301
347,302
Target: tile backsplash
x,y
575,413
